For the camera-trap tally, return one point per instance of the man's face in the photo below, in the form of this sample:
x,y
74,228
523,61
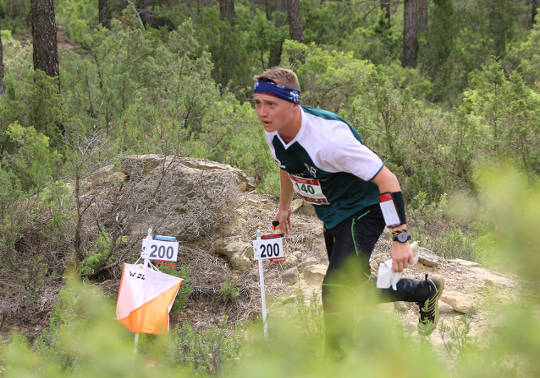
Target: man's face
x,y
275,114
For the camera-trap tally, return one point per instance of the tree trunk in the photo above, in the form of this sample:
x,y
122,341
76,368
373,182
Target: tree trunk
x,y
410,40
226,11
295,26
104,13
385,5
147,13
534,11
2,84
275,50
268,10
295,20
422,16
45,51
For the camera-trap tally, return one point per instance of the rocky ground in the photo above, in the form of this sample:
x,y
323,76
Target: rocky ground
x,y
470,288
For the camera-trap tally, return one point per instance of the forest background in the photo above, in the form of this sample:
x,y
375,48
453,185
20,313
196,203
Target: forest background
x,y
436,88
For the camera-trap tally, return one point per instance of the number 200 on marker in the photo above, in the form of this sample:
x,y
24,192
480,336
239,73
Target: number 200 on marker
x,y
160,250
268,249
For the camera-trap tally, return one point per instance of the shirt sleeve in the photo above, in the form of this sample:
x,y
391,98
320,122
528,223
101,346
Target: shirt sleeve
x,y
345,153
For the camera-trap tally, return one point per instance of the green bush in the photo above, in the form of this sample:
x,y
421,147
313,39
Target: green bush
x,y
185,288
206,351
228,291
33,161
508,115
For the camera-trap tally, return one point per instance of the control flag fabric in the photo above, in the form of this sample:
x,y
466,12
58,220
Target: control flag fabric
x,y
145,298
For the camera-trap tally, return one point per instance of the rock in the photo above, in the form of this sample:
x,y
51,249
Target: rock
x,y
460,302
401,306
245,183
306,263
314,274
492,277
465,262
296,205
236,250
253,202
307,209
101,178
297,254
290,261
445,308
290,275
240,262
428,258
140,164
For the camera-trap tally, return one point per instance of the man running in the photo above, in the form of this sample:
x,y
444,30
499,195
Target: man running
x,y
323,160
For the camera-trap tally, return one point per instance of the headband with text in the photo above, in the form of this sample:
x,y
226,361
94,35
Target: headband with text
x,y
280,91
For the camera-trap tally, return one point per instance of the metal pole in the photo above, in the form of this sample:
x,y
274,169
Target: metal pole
x,y
263,295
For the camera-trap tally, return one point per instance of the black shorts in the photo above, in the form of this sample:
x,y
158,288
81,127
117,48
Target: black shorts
x,y
354,238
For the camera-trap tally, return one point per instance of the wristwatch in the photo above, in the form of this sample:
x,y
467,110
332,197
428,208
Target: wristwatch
x,y
401,236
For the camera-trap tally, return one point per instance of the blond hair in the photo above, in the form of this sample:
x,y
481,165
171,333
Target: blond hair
x,y
279,75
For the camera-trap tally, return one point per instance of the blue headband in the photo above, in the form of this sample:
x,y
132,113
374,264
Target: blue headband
x,y
280,91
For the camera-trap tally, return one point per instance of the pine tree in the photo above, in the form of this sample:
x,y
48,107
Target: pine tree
x,y
275,50
410,40
45,51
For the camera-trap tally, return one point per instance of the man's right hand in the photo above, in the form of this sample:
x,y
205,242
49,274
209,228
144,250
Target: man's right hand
x,y
284,219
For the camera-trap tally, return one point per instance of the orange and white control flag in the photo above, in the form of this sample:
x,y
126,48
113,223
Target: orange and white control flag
x,y
145,298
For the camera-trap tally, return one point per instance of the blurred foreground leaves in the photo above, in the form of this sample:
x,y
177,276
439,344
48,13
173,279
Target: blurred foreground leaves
x,y
84,340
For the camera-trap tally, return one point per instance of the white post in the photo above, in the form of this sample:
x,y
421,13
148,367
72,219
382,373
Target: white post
x,y
263,295
149,239
146,266
136,343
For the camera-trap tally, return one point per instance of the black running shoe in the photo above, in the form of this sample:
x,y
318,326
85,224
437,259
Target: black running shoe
x,y
429,309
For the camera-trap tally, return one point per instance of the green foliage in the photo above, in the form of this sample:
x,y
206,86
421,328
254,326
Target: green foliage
x,y
509,116
84,341
438,49
437,228
264,36
376,43
101,256
525,57
509,207
130,72
12,222
228,48
30,262
33,161
351,26
228,290
32,98
310,315
237,139
185,288
78,16
329,79
456,337
57,197
206,351
14,16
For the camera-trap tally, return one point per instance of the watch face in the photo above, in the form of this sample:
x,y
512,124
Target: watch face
x,y
402,237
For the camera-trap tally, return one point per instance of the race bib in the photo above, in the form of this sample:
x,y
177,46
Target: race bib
x,y
309,190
